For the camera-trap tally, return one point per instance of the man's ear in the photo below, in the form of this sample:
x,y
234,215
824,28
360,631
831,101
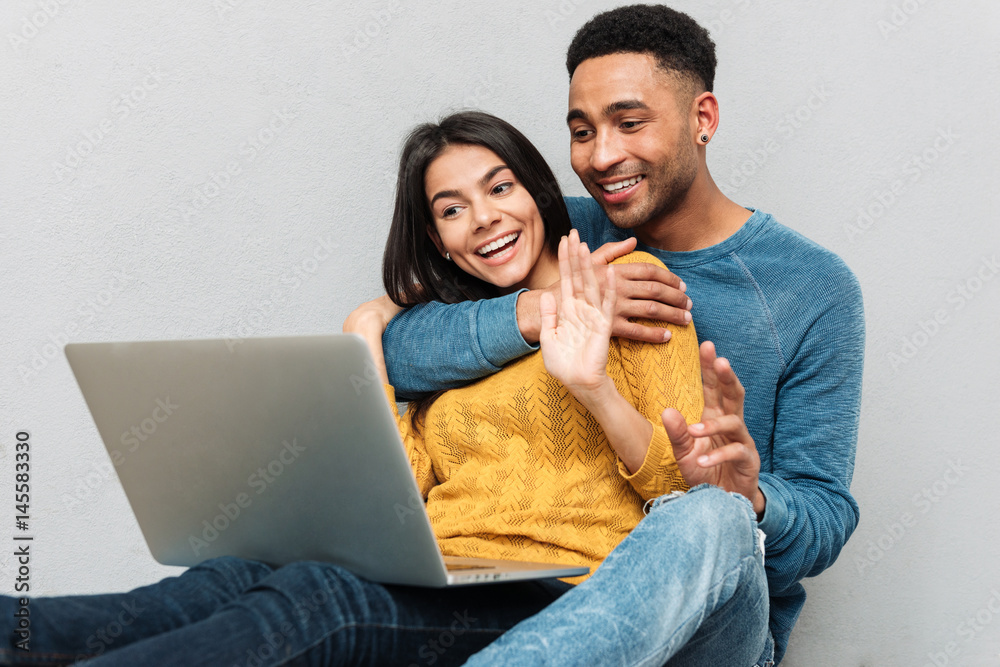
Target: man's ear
x,y
705,115
436,239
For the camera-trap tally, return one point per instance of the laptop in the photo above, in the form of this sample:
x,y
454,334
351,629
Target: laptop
x,y
272,449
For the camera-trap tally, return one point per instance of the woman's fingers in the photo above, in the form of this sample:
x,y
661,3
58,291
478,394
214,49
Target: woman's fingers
x,y
610,296
565,277
709,380
547,306
731,426
730,387
591,289
574,262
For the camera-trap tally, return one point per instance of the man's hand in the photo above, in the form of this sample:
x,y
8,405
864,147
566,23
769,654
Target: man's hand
x,y
644,291
719,449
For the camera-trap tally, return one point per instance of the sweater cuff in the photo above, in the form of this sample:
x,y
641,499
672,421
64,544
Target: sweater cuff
x,y
500,338
651,480
775,510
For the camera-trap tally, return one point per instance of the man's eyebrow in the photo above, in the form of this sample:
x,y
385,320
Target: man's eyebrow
x,y
482,183
610,110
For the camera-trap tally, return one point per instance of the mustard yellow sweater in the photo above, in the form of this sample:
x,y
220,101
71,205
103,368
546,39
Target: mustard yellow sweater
x,y
513,466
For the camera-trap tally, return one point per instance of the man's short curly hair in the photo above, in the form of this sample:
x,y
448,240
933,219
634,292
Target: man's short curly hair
x,y
678,43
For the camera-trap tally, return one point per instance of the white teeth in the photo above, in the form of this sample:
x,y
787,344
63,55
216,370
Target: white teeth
x,y
489,247
627,183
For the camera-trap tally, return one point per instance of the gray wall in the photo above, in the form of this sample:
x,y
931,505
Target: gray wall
x,y
168,169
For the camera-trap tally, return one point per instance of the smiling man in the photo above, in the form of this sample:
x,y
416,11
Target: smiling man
x,y
770,463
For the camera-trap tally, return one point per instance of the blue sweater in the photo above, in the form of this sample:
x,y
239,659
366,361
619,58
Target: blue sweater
x,y
789,317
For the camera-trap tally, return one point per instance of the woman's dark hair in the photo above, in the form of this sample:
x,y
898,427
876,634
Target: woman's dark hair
x,y
675,39
413,271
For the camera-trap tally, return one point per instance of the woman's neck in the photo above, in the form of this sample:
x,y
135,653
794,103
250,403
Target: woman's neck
x,y
544,273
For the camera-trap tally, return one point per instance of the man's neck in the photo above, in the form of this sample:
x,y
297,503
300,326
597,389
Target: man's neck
x,y
703,218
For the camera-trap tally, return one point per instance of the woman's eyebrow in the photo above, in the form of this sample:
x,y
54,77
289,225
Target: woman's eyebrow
x,y
482,183
490,174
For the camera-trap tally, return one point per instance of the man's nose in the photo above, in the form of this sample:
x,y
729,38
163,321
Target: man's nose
x,y
607,151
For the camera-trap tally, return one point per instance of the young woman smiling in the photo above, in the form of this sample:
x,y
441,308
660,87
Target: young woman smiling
x,y
551,459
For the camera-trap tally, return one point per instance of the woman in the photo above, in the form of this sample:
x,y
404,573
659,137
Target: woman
x,y
550,459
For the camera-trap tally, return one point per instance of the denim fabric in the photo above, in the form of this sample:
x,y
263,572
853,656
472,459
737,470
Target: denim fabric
x,y
228,612
686,588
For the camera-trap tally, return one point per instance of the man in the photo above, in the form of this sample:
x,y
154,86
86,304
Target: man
x,y
689,584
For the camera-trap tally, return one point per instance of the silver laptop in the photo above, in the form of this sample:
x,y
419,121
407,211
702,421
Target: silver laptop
x,y
272,449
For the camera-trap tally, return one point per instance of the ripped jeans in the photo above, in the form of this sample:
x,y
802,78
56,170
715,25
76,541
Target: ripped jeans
x,y
686,587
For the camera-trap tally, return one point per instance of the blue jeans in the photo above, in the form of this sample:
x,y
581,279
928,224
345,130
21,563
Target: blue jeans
x,y
686,586
229,611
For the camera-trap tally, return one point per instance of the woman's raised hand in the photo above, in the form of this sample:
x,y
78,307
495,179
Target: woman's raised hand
x,y
574,337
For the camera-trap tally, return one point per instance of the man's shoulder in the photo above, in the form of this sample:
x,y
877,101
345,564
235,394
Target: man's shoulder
x,y
783,258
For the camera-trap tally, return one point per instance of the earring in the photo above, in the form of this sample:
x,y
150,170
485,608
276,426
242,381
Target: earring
x,y
704,138
447,256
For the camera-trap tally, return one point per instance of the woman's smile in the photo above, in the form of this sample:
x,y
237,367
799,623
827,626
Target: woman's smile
x,y
486,221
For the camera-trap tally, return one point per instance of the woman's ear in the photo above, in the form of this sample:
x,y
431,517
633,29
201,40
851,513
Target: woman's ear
x,y
436,239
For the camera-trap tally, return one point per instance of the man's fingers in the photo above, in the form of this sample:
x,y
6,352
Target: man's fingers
x,y
649,310
609,252
622,328
651,273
